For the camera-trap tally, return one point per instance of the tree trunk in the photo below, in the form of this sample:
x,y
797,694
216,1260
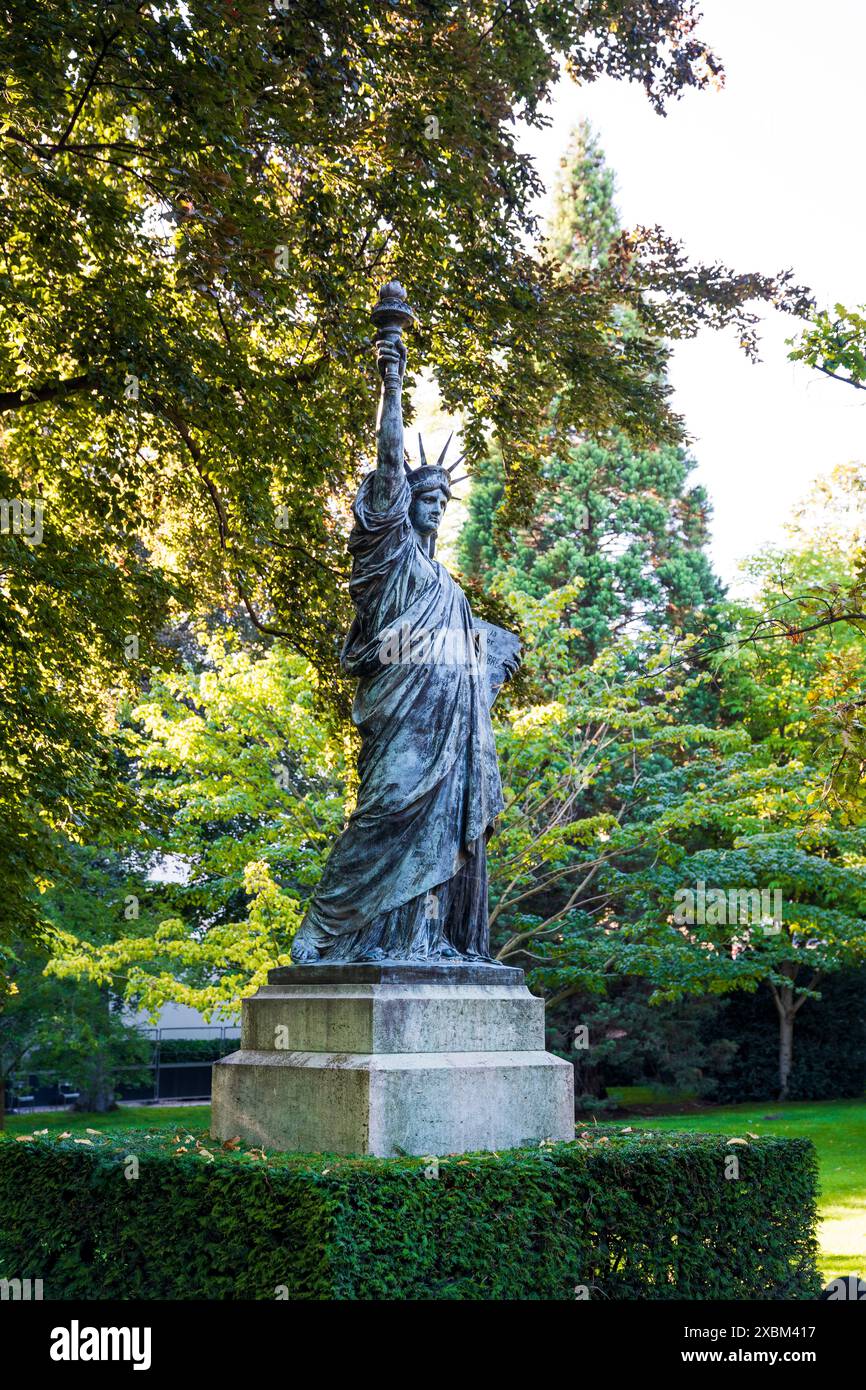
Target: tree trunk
x,y
786,1041
97,1090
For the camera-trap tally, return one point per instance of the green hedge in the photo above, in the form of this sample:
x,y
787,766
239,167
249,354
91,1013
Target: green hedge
x,y
202,1050
626,1215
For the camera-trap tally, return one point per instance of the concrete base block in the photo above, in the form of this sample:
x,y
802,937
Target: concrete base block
x,y
375,1060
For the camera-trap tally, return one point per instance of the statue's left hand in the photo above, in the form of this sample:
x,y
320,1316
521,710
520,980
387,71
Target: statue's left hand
x,y
512,665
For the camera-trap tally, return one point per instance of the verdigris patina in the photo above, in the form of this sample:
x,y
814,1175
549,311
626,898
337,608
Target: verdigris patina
x,y
407,879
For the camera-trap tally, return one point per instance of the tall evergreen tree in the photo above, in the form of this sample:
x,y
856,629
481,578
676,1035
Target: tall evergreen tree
x,y
584,221
621,519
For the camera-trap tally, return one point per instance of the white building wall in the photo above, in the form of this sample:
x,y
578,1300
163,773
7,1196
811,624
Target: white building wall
x,y
181,1021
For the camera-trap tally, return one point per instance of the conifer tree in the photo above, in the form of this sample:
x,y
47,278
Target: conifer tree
x,y
622,519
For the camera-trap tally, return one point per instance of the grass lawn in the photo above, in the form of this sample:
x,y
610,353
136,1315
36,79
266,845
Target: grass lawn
x,y
837,1129
126,1117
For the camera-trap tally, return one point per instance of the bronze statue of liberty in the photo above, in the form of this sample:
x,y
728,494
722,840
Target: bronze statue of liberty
x,y
407,878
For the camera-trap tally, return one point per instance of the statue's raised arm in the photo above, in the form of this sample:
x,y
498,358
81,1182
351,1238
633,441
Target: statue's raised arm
x,y
391,315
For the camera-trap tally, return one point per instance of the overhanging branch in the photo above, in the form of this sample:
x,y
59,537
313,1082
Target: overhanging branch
x,y
48,391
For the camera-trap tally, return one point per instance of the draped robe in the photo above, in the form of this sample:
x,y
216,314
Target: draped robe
x,y
409,872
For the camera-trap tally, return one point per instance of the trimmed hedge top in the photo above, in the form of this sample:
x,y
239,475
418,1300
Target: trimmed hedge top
x,y
201,1050
167,1213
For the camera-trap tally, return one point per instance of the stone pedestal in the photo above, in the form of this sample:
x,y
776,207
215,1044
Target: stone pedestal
x,y
393,1059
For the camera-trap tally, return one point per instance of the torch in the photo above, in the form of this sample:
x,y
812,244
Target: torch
x,y
391,315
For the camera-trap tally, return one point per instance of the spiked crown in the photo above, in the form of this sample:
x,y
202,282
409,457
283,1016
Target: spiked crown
x,y
430,475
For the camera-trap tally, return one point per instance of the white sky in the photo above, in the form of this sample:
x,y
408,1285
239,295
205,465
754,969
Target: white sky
x,y
765,174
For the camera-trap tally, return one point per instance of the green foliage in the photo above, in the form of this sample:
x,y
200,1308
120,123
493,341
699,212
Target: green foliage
x,y
67,608
584,223
30,1008
198,202
577,764
625,1216
830,1051
244,781
681,1048
795,670
71,1030
722,1049
74,1029
617,805
618,522
613,517
835,344
195,1049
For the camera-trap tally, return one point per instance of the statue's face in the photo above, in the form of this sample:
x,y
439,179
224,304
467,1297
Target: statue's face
x,y
426,511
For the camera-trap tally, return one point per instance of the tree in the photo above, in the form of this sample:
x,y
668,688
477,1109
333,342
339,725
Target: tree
x,y
821,1068
584,223
619,522
73,611
778,831
616,804
246,788
817,874
91,1047
23,1015
71,1030
619,518
618,807
198,199
798,648
835,344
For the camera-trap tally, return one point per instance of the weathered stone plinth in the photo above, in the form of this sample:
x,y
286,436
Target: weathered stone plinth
x,y
392,1058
